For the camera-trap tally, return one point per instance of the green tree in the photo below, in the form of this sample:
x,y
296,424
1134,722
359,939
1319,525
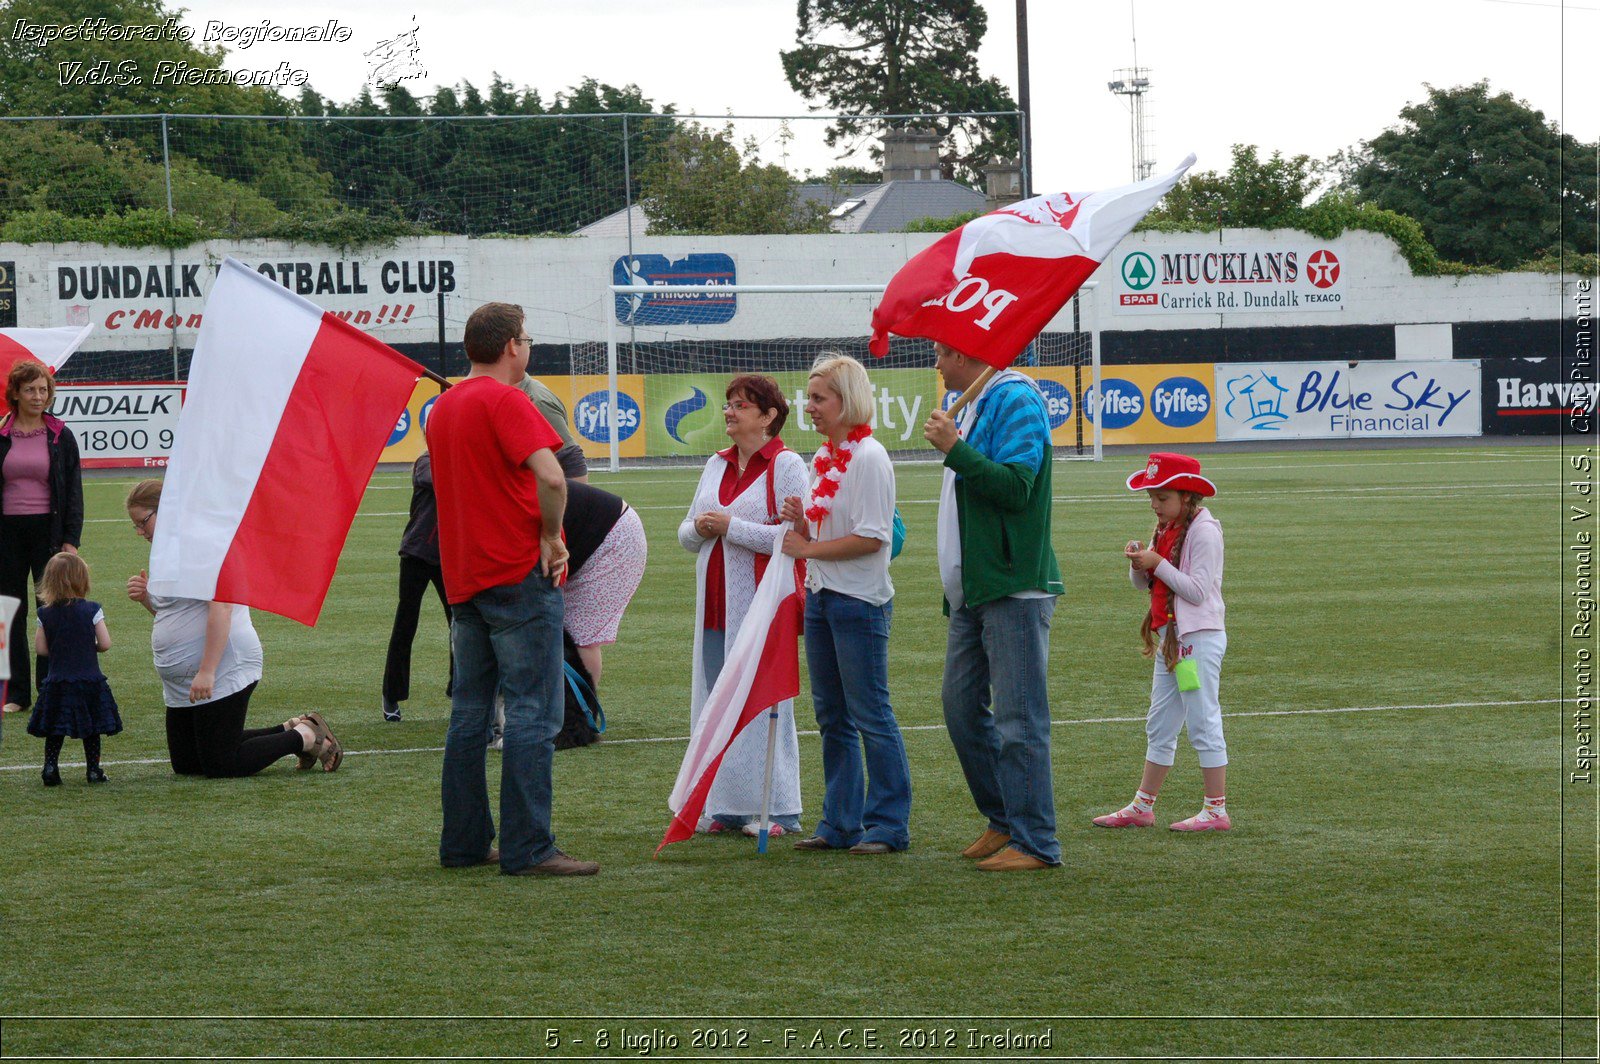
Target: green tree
x,y
698,181
1491,180
900,57
1252,192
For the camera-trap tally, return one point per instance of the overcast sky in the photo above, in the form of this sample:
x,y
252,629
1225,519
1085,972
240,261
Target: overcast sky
x,y
1304,78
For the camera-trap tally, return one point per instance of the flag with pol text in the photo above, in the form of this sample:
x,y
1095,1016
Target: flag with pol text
x,y
286,413
988,288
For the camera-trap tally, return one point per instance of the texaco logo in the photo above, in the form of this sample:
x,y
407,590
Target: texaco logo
x,y
1322,268
1138,271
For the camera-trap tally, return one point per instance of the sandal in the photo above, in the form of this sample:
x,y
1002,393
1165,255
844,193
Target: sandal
x,y
329,753
307,758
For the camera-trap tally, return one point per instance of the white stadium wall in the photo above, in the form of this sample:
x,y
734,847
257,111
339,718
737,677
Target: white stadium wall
x,y
1195,303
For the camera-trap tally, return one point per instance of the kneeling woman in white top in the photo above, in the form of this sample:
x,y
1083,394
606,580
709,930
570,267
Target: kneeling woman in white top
x,y
209,659
848,522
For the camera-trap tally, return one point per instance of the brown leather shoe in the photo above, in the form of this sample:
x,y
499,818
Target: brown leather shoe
x,y
1009,860
558,865
492,857
989,843
814,842
871,847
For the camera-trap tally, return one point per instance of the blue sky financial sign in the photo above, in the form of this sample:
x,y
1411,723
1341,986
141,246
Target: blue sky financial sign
x,y
674,308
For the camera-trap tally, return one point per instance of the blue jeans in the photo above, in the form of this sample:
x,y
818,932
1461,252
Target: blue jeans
x,y
847,653
1004,752
510,637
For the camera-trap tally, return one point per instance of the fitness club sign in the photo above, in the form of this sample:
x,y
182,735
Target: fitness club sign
x,y
1228,280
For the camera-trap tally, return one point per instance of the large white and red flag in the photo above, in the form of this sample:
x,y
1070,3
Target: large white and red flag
x,y
760,669
286,413
988,288
51,346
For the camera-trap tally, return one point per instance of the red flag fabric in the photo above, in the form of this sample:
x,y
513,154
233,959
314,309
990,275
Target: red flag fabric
x,y
287,411
51,346
760,669
988,288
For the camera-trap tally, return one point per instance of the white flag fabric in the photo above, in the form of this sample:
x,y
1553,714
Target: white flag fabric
x,y
287,411
760,669
8,610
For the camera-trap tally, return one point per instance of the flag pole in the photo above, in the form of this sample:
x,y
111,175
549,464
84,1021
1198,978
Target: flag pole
x,y
772,749
974,390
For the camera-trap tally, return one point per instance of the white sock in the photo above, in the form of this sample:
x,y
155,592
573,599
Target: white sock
x,y
1143,802
1214,808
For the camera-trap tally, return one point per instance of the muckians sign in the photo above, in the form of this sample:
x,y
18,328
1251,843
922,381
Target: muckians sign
x,y
1227,280
675,308
1337,400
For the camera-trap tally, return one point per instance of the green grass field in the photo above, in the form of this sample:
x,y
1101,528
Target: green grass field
x,y
1393,885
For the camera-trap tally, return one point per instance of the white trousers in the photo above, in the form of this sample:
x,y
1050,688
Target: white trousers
x,y
1171,709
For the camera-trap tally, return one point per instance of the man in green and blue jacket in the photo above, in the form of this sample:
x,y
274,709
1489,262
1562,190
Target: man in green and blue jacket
x,y
1000,586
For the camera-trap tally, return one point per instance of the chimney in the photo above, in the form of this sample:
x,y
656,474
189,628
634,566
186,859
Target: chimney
x,y
911,155
1002,184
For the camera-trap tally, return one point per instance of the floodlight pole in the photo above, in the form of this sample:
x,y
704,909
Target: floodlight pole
x,y
1024,99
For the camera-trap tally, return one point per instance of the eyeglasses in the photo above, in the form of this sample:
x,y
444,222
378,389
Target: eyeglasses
x,y
525,340
141,522
737,404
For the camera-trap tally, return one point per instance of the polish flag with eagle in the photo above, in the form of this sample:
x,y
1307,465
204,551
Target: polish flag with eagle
x,y
988,288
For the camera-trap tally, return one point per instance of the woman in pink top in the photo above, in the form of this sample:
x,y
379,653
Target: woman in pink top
x,y
1183,630
41,506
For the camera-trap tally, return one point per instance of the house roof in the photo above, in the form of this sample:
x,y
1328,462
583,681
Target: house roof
x,y
883,208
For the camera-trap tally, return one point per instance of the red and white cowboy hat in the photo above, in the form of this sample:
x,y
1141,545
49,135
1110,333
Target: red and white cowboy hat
x,y
1177,472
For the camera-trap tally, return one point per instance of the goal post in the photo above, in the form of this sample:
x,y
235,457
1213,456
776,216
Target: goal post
x,y
670,349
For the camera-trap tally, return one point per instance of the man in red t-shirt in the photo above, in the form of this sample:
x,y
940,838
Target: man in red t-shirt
x,y
501,497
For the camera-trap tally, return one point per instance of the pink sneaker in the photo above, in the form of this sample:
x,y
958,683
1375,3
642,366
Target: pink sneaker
x,y
1200,823
774,830
1126,817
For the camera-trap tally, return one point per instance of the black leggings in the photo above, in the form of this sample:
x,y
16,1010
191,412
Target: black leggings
x,y
211,740
415,576
25,547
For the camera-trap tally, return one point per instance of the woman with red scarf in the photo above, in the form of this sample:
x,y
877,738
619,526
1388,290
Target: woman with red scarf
x,y
731,528
848,527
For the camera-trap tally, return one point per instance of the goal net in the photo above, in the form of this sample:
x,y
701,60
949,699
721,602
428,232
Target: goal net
x,y
654,388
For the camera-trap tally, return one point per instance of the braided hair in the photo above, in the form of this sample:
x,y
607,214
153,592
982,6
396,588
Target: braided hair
x,y
1169,642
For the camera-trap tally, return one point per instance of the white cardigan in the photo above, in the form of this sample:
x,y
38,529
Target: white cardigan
x,y
1196,581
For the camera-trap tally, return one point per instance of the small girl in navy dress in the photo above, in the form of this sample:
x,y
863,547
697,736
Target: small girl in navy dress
x,y
74,700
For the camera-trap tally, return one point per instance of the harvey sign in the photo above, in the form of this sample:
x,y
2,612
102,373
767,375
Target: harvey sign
x,y
1344,400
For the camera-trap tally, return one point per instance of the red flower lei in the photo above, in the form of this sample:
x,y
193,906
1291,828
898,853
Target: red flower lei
x,y
830,464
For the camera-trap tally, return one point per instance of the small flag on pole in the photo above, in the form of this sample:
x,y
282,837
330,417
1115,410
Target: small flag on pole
x,y
51,346
287,411
988,288
761,669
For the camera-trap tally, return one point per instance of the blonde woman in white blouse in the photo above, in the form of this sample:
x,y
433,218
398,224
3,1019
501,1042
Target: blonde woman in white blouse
x,y
848,522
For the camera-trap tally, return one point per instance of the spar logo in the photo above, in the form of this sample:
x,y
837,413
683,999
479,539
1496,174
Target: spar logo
x,y
1116,404
1180,402
401,427
1322,268
1138,271
1057,401
593,416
